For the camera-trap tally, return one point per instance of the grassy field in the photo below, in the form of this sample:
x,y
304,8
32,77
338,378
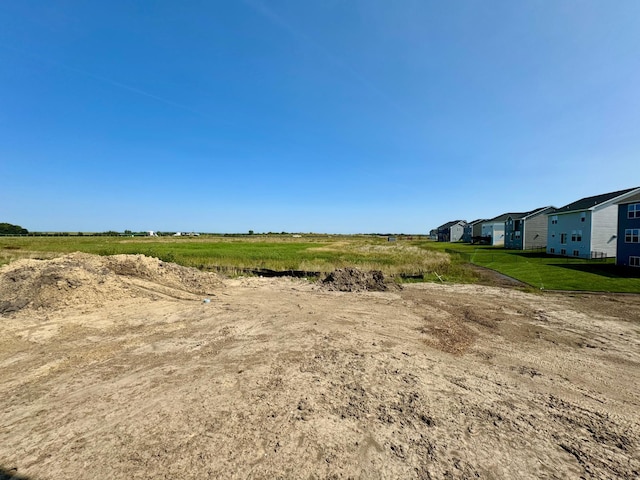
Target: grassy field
x,y
550,272
237,254
406,259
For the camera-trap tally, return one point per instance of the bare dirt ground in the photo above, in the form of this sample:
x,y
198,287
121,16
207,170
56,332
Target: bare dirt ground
x,y
117,367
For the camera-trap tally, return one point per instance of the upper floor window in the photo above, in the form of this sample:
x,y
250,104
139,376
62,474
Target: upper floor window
x,y
633,210
583,215
554,219
632,235
563,238
576,236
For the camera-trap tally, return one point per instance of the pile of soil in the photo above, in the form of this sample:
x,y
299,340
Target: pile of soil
x,y
81,279
354,280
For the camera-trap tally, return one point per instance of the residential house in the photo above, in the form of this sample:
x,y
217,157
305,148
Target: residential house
x,y
473,230
528,230
628,247
451,231
493,229
587,228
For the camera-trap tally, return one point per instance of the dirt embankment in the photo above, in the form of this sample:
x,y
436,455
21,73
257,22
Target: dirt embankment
x,y
115,367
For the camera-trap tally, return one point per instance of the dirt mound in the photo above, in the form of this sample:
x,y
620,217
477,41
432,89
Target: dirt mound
x,y
81,279
354,280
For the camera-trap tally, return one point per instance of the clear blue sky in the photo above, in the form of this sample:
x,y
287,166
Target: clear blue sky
x,y
326,116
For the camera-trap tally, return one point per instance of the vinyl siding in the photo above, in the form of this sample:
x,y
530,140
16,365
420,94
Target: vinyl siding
x,y
626,250
496,231
567,223
605,230
535,232
456,233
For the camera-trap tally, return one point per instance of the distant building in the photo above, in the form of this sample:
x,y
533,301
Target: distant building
x,y
528,230
451,231
472,230
493,229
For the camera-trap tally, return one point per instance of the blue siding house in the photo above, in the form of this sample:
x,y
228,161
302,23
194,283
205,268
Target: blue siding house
x,y
628,253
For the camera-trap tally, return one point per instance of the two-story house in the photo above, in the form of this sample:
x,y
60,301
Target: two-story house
x,y
628,248
493,229
451,231
587,228
472,230
528,230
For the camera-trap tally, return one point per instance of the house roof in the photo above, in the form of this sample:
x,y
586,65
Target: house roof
x,y
479,220
451,224
532,213
591,202
500,218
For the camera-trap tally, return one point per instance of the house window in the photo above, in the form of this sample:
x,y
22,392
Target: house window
x,y
632,235
554,220
576,236
563,238
634,261
633,210
552,250
583,215
517,233
576,253
563,251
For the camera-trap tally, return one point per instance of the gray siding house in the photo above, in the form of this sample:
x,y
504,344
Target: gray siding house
x,y
451,231
587,228
528,230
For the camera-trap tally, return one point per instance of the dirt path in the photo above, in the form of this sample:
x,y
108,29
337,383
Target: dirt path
x,y
279,378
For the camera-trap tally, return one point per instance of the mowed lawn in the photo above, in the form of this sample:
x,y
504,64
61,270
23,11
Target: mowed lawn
x,y
551,272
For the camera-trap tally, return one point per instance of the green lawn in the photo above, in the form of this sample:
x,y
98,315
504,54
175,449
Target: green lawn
x,y
551,272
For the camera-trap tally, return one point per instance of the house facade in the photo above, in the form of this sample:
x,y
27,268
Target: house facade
x,y
528,230
451,231
472,230
628,247
494,229
587,228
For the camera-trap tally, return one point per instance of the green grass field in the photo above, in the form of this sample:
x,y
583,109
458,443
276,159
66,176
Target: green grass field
x,y
406,260
236,254
550,272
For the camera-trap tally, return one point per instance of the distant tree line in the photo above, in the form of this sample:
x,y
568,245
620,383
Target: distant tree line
x,y
9,229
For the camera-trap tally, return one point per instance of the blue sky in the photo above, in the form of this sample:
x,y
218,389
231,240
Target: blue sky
x,y
330,116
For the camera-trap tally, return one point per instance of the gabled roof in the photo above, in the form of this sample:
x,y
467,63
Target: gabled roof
x,y
451,224
532,213
592,202
500,218
479,220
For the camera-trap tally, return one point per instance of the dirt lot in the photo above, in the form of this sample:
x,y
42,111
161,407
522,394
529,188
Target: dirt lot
x,y
119,367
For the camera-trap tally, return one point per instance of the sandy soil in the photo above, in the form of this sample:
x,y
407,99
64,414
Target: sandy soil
x,y
117,368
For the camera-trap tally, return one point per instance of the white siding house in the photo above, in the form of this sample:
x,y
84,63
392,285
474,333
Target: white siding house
x,y
494,228
586,228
